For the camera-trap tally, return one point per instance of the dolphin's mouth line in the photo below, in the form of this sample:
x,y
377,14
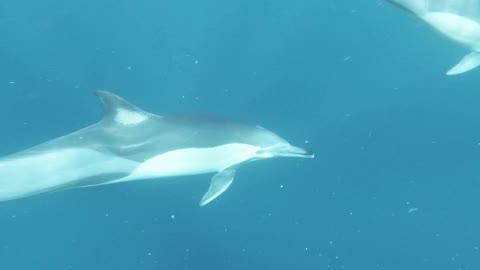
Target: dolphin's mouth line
x,y
285,150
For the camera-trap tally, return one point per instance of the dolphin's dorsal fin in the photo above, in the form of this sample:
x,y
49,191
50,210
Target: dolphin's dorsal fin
x,y
120,111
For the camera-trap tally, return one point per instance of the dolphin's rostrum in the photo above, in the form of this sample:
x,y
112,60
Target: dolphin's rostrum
x,y
131,144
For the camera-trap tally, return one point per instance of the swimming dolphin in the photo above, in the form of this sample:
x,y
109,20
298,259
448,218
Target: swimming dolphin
x,y
131,144
460,28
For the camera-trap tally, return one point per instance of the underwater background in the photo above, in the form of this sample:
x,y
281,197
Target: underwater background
x,y
395,183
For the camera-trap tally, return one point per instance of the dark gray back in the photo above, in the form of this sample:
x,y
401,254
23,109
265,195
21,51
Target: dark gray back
x,y
158,134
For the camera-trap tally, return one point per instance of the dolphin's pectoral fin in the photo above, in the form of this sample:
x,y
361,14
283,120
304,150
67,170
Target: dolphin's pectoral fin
x,y
220,182
468,62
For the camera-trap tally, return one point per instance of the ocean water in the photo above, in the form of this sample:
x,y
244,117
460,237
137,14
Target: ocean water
x,y
395,183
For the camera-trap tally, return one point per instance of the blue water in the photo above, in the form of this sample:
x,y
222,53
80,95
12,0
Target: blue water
x,y
395,183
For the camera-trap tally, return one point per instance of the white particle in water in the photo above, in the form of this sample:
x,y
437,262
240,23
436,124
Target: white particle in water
x,y
411,210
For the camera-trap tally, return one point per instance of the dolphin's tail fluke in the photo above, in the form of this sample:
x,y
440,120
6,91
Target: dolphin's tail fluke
x,y
414,6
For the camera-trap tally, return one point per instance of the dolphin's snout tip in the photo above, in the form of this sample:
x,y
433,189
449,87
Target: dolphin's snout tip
x,y
309,154
301,152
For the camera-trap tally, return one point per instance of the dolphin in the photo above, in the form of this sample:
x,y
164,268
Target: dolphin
x,y
454,23
131,144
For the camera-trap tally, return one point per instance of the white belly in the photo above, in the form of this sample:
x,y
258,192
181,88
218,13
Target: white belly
x,y
189,161
457,28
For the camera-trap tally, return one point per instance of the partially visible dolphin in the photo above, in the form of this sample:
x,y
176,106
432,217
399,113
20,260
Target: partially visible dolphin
x,y
131,144
459,28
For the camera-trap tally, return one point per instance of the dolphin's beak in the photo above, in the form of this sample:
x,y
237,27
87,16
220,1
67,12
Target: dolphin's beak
x,y
288,151
293,151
